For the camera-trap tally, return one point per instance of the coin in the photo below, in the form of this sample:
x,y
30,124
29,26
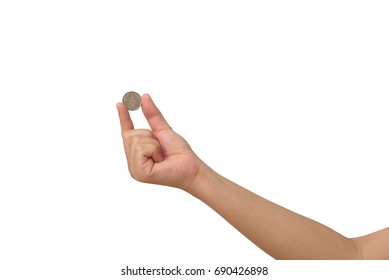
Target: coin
x,y
132,100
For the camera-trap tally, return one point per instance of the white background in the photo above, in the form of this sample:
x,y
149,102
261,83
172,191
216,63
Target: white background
x,y
287,98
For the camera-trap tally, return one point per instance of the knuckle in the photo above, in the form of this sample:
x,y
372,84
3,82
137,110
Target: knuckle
x,y
139,150
139,175
134,136
136,139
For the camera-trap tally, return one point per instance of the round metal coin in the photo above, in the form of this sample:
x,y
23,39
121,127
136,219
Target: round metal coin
x,y
132,100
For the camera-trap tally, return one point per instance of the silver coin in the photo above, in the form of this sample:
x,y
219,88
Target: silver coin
x,y
132,100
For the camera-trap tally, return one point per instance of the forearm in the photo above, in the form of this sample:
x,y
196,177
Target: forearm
x,y
280,232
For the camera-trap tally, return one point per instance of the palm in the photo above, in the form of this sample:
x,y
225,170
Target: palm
x,y
179,165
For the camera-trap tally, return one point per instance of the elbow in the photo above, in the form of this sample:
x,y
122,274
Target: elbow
x,y
358,251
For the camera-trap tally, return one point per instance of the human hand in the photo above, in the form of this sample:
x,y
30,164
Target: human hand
x,y
157,156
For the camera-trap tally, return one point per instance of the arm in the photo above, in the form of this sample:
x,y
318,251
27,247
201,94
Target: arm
x,y
161,156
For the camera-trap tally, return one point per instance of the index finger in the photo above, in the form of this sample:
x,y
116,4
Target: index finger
x,y
124,116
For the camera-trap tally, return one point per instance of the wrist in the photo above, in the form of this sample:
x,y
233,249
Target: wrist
x,y
204,179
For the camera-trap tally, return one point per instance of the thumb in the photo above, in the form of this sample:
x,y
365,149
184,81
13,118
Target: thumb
x,y
154,117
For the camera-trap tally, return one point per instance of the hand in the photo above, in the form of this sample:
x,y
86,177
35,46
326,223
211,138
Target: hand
x,y
157,156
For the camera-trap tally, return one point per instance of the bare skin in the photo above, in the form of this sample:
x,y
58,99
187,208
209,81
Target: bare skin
x,y
160,156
